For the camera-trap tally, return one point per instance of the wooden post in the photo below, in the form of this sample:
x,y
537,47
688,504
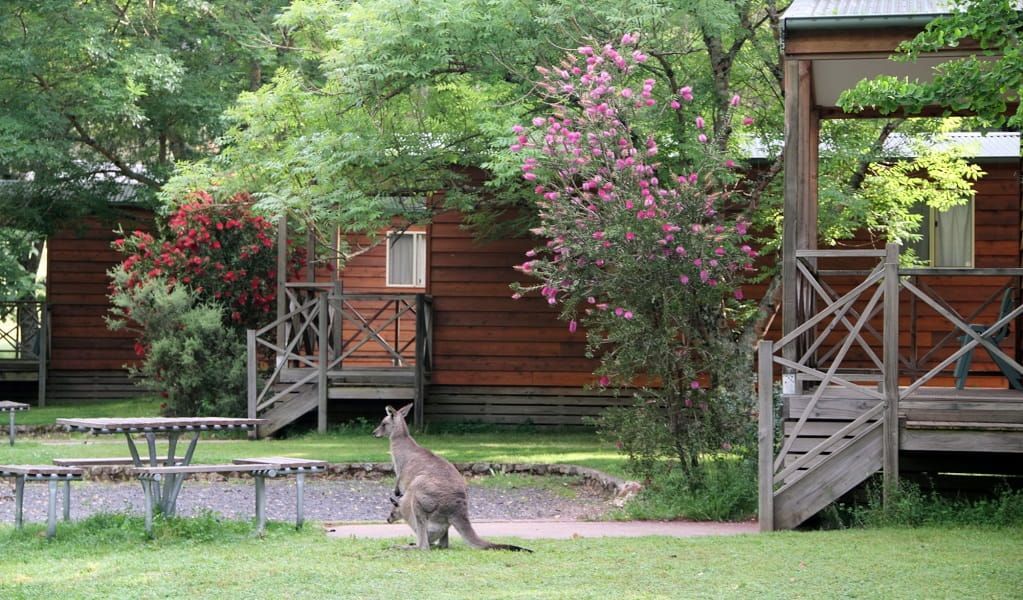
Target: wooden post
x,y
310,253
251,368
282,278
44,343
765,435
321,383
802,136
891,373
420,388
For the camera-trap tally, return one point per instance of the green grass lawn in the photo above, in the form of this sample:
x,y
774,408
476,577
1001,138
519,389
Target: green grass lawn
x,y
47,415
109,557
572,448
342,445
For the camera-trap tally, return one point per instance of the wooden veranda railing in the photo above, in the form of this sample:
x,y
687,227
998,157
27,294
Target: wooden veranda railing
x,y
840,320
324,332
25,339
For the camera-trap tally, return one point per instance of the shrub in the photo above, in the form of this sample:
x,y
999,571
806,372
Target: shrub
x,y
912,506
190,355
644,252
222,252
725,491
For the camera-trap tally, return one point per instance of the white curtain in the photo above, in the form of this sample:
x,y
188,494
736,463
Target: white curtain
x,y
953,232
406,260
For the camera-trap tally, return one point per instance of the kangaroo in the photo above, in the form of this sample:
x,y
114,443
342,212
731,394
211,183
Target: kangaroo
x,y
430,493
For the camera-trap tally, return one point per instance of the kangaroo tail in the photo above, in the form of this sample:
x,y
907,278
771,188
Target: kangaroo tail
x,y
464,528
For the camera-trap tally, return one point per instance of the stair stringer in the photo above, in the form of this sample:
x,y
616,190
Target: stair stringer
x,y
829,479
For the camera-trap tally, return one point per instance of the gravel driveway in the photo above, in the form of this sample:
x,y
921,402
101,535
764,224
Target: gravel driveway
x,y
325,500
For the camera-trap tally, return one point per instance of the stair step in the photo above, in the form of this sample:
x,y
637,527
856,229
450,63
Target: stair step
x,y
371,393
827,480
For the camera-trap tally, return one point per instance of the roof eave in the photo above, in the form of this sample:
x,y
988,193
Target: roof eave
x,y
858,22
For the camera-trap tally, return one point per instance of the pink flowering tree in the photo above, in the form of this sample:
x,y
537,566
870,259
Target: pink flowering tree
x,y
643,252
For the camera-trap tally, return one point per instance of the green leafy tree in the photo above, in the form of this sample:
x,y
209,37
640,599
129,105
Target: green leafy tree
x,y
987,82
98,92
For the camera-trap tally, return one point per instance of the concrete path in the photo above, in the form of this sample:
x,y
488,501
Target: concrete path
x,y
559,530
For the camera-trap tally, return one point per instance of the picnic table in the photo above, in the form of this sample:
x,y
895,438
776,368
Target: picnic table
x,y
149,427
12,407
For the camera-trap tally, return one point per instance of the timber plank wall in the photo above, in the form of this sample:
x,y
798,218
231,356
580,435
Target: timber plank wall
x,y
496,360
87,360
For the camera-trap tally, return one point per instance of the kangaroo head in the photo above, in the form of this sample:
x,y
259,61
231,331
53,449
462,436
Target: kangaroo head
x,y
394,421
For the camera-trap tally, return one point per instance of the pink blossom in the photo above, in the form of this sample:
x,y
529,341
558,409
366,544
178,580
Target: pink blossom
x,y
630,236
686,93
605,381
729,164
628,315
699,122
675,105
529,176
683,279
619,311
747,121
538,121
702,138
738,294
694,384
629,38
598,235
585,50
639,56
735,100
626,93
720,251
591,300
517,128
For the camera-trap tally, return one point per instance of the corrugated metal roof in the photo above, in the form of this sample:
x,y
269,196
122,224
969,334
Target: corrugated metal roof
x,y
822,9
122,193
852,14
979,146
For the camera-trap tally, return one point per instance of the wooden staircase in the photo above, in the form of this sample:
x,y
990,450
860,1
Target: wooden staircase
x,y
825,477
386,385
335,348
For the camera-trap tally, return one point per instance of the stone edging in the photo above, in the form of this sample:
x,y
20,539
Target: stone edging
x,y
620,489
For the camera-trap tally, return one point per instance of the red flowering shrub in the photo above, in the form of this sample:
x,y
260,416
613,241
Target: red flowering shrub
x,y
222,252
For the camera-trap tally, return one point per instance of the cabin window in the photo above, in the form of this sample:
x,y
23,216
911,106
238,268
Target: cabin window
x,y
946,236
406,259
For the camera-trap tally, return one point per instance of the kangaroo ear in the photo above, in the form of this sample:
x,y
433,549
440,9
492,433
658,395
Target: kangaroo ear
x,y
389,410
404,409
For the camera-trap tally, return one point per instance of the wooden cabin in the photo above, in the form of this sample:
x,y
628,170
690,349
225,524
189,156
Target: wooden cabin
x,y
867,345
61,346
428,316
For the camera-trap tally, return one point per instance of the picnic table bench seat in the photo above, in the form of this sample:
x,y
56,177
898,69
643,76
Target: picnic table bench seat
x,y
52,475
104,462
260,468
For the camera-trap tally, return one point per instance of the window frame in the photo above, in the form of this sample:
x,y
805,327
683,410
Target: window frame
x,y
418,262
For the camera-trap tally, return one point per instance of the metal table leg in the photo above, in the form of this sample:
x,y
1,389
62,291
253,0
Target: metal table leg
x,y
19,500
260,502
12,427
147,483
299,504
51,510
170,501
67,499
